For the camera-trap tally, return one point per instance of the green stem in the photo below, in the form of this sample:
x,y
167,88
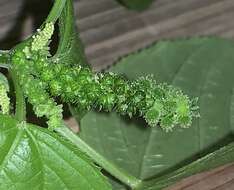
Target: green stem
x,y
55,11
20,110
118,173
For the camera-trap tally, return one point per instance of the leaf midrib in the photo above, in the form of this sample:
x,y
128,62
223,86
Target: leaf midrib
x,y
39,155
13,146
68,163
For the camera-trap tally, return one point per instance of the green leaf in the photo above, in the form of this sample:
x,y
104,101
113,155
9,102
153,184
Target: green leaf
x,y
34,158
70,49
201,67
219,157
137,4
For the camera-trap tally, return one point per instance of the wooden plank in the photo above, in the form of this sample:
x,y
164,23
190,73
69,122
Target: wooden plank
x,y
9,9
114,31
217,179
110,31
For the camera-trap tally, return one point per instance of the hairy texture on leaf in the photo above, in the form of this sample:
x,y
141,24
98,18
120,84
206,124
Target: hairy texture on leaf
x,y
40,75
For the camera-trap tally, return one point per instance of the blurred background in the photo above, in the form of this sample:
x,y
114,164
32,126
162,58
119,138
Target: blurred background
x,y
110,31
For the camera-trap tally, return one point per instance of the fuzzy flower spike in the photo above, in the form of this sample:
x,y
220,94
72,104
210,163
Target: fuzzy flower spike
x,y
4,99
43,78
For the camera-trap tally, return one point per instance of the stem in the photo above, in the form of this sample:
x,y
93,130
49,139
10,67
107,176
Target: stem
x,y
118,173
55,11
20,110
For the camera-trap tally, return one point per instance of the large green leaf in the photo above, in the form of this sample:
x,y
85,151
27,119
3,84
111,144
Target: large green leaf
x,y
34,158
201,67
219,157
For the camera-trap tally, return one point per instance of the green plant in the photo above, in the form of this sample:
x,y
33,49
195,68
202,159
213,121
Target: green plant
x,y
33,157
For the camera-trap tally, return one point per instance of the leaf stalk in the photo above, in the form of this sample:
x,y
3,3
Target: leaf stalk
x,y
111,168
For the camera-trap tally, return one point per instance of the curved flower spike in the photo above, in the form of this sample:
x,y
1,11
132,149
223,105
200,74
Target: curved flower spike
x,y
40,76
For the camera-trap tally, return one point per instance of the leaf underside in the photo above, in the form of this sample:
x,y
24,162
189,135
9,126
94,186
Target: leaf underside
x,y
36,159
201,67
222,156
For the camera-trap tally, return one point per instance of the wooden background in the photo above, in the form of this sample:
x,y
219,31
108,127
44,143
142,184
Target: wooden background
x,y
109,31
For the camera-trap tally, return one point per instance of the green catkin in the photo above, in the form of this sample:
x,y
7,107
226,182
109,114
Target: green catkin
x,y
4,99
34,89
41,39
156,103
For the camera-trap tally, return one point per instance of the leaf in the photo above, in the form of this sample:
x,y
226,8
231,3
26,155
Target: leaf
x,y
221,156
136,4
34,158
70,49
201,67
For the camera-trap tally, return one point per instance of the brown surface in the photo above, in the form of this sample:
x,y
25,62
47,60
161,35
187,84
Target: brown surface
x,y
110,31
221,178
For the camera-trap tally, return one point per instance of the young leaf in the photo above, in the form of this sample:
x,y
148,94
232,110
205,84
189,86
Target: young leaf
x,y
35,158
201,67
70,50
